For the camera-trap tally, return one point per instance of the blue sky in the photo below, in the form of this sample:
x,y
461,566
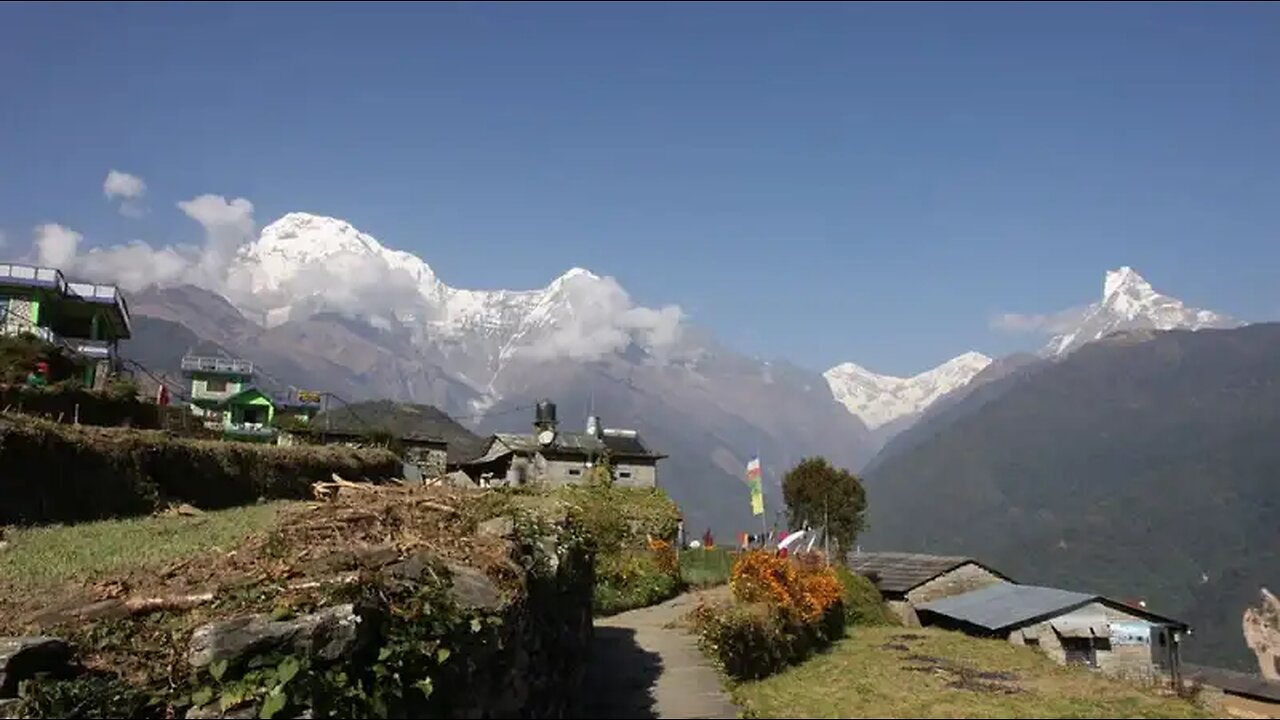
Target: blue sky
x,y
813,182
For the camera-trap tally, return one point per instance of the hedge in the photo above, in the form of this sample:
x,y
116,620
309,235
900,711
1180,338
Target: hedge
x,y
61,473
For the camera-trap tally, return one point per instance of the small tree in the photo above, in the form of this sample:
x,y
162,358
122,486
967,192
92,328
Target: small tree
x,y
814,490
601,472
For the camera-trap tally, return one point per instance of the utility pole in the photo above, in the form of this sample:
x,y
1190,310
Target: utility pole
x,y
826,531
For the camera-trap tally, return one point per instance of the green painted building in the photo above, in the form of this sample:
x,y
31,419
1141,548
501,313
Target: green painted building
x,y
86,318
223,394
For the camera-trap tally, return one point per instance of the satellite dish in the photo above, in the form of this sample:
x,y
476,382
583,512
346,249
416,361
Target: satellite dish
x,y
545,437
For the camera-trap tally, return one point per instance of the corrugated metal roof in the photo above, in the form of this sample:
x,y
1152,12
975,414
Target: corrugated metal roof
x,y
577,443
1005,605
900,572
1239,683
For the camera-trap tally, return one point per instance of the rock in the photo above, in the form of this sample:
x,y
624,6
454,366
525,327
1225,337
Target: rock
x,y
328,634
473,589
499,527
215,711
413,567
1262,634
9,709
376,557
22,658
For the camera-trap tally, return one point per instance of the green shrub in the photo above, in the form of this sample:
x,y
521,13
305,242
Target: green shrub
x,y
632,579
630,530
749,641
863,604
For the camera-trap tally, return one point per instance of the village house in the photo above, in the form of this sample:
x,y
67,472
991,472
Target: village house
x,y
425,456
1069,627
86,318
908,580
552,457
224,396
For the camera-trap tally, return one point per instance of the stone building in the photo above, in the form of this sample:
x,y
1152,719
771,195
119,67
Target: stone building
x,y
1069,627
550,456
423,455
908,580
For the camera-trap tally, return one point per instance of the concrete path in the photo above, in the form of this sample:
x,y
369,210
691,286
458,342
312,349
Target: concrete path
x,y
640,668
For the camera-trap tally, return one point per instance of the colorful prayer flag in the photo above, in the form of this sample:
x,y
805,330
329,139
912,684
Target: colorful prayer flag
x,y
757,488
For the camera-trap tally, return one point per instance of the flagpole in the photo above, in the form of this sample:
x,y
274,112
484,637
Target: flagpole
x,y
764,516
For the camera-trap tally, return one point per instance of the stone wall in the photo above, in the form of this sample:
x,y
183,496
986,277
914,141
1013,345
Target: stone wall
x,y
477,648
966,578
636,474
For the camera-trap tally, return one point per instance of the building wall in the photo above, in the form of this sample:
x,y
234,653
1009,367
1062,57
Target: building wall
x,y
966,578
20,315
1114,658
429,460
200,387
905,612
634,474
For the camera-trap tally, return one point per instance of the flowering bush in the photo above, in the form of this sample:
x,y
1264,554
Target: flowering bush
x,y
804,584
783,610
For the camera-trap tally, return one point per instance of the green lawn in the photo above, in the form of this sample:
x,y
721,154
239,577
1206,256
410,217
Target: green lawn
x,y
705,568
882,672
51,556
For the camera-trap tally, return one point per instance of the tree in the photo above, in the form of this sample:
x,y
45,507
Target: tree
x,y
814,490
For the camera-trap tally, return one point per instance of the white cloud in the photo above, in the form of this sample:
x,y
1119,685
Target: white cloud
x,y
1050,324
129,189
123,185
137,265
594,316
56,245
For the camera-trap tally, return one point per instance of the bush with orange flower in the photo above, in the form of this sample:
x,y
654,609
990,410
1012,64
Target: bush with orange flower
x,y
783,609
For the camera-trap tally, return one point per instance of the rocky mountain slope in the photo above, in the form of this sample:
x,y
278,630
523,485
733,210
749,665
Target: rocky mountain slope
x,y
1140,465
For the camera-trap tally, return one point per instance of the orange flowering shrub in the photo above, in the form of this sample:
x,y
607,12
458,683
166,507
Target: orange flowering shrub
x,y
666,557
805,584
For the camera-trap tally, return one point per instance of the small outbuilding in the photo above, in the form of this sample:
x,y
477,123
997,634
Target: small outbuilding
x,y
1069,627
1235,694
907,580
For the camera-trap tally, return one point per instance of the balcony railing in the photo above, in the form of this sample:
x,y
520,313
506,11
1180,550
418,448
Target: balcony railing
x,y
195,363
31,275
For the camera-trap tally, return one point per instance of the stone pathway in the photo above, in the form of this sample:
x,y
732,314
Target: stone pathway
x,y
640,668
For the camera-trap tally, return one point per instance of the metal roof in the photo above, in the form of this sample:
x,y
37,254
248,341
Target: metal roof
x,y
1005,605
899,572
576,444
1231,681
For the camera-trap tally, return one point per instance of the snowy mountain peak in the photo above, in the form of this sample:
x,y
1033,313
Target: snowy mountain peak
x,y
880,399
1125,280
1130,303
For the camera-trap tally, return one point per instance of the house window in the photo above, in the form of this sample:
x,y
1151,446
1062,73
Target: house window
x,y
624,473
215,385
575,471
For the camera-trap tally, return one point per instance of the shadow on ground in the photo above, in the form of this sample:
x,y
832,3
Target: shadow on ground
x,y
621,677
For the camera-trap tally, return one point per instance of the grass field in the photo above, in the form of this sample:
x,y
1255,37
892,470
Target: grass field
x,y
41,558
705,568
892,672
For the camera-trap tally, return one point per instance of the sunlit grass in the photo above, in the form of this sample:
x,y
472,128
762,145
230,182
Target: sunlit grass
x,y
866,676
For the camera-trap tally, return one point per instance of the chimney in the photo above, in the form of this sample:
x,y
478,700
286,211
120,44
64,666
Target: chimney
x,y
544,417
593,426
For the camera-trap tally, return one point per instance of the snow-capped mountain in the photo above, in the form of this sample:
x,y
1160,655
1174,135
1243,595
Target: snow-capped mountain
x,y
1129,303
881,399
302,264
